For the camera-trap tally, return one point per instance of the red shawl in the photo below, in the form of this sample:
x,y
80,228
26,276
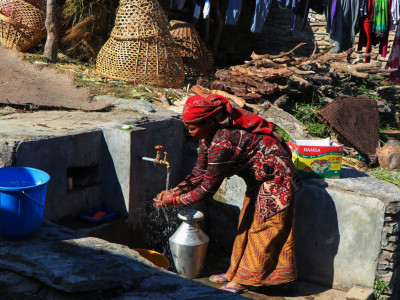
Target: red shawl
x,y
198,109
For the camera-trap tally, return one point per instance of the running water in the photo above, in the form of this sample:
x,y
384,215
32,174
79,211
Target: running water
x,y
167,181
161,223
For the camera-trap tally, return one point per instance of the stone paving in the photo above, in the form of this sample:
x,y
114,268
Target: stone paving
x,y
59,263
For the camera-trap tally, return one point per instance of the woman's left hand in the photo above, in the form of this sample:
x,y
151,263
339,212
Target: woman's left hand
x,y
165,199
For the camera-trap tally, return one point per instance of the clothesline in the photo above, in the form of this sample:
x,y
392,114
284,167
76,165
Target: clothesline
x,y
345,18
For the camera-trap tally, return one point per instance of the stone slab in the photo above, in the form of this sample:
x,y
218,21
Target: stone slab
x,y
68,261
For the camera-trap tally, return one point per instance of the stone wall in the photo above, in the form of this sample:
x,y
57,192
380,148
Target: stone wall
x,y
346,230
388,263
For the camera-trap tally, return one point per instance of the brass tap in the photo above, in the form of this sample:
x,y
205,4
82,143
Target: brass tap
x,y
165,162
158,159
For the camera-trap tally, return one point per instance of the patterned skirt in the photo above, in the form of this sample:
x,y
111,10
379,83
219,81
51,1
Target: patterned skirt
x,y
263,251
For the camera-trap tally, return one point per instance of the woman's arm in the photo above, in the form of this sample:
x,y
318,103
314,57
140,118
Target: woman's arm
x,y
195,178
220,162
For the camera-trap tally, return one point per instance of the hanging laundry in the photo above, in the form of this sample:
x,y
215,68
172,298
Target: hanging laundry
x,y
260,15
367,37
381,18
197,9
301,12
363,8
287,3
395,9
176,4
344,19
233,12
206,9
394,58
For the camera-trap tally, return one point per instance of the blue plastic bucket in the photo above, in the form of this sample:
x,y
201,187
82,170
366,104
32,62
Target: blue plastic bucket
x,y
22,198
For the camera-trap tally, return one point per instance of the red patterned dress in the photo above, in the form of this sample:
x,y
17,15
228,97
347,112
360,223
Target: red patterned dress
x,y
263,249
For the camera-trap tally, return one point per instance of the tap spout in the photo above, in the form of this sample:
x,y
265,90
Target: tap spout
x,y
147,158
158,159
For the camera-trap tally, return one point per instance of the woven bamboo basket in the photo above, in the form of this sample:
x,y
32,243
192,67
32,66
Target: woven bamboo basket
x,y
196,57
355,120
139,19
21,24
154,61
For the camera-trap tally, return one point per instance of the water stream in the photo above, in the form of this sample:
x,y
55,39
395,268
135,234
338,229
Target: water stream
x,y
167,181
160,225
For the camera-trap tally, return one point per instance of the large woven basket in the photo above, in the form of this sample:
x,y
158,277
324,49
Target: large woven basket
x,y
139,19
21,24
154,61
355,120
196,57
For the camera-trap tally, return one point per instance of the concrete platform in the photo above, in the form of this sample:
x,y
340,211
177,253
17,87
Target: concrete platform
x,y
347,229
297,290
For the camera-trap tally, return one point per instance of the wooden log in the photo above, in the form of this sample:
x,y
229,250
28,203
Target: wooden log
x,y
201,91
252,97
228,86
262,86
344,67
266,73
301,72
365,67
204,92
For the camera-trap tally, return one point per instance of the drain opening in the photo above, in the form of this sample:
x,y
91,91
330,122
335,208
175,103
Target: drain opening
x,y
81,177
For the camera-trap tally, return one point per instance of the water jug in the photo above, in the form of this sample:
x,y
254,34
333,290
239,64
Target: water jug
x,y
389,155
189,244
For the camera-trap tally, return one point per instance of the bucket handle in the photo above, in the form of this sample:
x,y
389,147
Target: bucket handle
x,y
33,199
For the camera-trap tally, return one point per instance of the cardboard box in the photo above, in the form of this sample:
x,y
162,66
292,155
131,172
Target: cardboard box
x,y
317,158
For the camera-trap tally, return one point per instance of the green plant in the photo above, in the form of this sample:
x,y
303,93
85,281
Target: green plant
x,y
283,133
392,177
305,114
379,287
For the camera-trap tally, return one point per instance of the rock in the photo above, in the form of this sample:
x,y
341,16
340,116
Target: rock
x,y
64,264
8,110
359,293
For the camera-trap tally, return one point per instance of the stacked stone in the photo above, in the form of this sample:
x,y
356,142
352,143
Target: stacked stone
x,y
277,35
388,262
141,48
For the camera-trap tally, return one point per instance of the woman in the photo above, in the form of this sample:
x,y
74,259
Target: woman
x,y
235,141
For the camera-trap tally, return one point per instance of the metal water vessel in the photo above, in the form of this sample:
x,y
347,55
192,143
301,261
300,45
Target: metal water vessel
x,y
189,244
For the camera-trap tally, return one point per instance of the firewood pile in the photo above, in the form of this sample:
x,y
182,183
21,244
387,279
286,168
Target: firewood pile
x,y
270,76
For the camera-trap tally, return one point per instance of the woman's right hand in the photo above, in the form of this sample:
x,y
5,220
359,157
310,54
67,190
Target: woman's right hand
x,y
160,195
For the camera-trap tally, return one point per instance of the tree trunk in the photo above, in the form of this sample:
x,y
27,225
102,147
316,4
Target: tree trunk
x,y
51,47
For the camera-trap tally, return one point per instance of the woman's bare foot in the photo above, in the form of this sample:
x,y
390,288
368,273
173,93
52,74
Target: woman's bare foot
x,y
234,287
220,278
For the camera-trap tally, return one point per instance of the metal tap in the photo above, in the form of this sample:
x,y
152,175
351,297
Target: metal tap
x,y
158,159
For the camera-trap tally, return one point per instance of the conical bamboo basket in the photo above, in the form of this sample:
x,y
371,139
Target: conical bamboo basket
x,y
196,57
139,19
147,61
141,48
21,24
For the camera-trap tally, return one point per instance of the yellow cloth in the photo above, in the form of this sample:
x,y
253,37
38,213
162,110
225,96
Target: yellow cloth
x,y
263,251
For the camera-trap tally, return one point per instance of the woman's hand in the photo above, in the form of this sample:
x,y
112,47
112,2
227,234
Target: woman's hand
x,y
160,195
167,198
177,191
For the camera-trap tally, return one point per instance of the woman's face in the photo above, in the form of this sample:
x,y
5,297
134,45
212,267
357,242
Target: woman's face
x,y
199,130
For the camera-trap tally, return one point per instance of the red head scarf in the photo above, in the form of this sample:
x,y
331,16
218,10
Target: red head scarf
x,y
198,109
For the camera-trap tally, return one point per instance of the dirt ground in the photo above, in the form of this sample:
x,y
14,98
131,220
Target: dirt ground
x,y
37,85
